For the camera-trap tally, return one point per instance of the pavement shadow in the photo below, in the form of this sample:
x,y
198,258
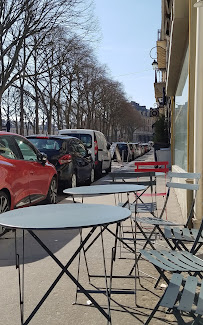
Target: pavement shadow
x,y
53,239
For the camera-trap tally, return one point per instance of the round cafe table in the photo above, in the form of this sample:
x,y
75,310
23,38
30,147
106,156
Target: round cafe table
x,y
95,190
59,217
104,189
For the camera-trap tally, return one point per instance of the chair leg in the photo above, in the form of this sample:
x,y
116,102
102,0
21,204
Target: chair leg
x,y
157,282
148,241
197,320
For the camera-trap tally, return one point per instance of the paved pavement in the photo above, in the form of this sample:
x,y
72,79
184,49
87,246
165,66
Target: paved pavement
x,y
41,270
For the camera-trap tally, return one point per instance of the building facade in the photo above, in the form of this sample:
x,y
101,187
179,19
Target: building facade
x,y
180,62
144,133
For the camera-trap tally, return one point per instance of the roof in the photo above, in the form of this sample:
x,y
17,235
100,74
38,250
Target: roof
x,y
49,136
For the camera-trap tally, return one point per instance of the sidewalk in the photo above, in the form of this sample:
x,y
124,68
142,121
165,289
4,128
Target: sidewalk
x,y
40,271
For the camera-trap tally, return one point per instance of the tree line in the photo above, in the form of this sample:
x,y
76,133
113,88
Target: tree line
x,y
50,77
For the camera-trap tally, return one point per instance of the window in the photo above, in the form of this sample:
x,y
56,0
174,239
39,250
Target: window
x,y
7,148
85,138
180,122
27,152
79,147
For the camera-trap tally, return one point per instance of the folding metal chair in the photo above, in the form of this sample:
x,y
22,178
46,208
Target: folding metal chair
x,y
159,167
183,295
176,261
141,178
159,222
164,227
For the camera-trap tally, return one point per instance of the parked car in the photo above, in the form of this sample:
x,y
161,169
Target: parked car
x,y
96,142
73,162
133,150
115,153
142,149
124,150
146,147
26,177
138,149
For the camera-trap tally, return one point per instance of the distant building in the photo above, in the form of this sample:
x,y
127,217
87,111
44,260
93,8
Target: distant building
x,y
145,132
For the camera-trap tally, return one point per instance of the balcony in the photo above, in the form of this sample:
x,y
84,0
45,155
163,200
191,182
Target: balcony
x,y
159,65
158,89
161,55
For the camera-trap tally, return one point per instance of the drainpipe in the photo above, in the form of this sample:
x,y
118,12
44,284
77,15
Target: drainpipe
x,y
198,111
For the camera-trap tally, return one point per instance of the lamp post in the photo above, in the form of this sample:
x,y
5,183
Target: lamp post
x,y
158,54
155,65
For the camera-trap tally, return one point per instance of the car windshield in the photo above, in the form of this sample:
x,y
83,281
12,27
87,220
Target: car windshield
x,y
45,145
85,138
122,146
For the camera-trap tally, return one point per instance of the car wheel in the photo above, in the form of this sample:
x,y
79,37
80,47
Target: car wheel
x,y
4,202
73,180
52,193
4,206
108,170
91,178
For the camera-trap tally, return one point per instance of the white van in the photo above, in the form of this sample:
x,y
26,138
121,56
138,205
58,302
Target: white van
x,y
96,143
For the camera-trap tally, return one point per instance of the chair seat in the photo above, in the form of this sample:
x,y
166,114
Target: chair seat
x,y
174,261
155,221
140,207
183,234
144,208
184,294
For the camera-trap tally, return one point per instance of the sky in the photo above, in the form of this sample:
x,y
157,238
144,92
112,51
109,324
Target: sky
x,y
129,31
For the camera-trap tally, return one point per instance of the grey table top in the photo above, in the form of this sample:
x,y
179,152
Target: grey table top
x,y
63,216
104,189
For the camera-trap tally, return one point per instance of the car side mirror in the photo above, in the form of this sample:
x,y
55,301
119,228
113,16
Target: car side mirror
x,y
42,157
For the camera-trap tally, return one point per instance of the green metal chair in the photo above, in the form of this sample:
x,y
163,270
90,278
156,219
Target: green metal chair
x,y
176,260
182,294
164,227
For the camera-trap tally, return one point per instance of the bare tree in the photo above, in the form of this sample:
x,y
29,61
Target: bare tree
x,y
20,20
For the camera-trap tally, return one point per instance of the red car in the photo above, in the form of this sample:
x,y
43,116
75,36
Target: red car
x,y
26,177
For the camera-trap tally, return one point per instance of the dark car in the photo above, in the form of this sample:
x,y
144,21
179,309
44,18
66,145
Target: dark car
x,y
26,177
71,159
124,150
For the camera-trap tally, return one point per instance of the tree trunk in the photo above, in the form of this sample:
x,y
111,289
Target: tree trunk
x,y
0,112
36,91
21,110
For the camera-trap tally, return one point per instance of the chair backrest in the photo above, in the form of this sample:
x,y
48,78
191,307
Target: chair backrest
x,y
152,166
147,179
196,242
186,184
